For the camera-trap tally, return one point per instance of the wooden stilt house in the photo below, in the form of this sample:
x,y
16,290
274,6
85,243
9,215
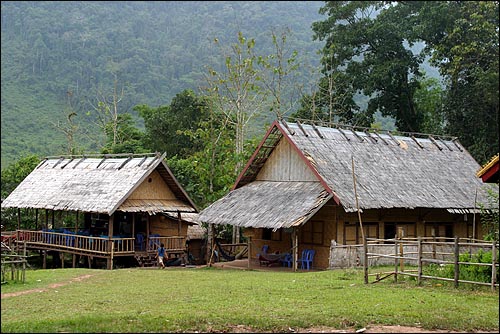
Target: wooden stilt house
x,y
122,206
297,190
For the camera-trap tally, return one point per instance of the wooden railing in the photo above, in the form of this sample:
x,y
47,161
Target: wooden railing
x,y
76,243
171,244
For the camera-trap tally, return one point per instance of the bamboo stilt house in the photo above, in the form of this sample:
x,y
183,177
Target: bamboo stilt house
x,y
297,190
123,206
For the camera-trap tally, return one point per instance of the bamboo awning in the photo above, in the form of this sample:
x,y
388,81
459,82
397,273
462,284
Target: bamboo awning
x,y
268,204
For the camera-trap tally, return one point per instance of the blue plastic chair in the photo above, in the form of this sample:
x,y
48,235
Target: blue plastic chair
x,y
265,248
306,259
307,262
287,260
139,241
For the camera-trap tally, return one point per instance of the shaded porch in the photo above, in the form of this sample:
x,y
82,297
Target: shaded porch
x,y
66,241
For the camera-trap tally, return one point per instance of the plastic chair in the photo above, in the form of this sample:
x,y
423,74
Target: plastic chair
x,y
287,260
265,248
302,258
307,259
139,241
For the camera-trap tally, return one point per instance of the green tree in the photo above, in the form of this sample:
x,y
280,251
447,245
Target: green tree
x,y
370,41
12,176
166,126
365,41
236,90
462,39
123,136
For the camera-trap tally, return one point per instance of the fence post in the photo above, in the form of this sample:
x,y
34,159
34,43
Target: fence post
x,y
365,260
249,251
395,259
493,265
419,261
457,266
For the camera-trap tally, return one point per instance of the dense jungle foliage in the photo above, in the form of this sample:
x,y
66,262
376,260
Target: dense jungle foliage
x,y
61,55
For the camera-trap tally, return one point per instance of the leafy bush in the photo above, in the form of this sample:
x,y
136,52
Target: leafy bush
x,y
468,272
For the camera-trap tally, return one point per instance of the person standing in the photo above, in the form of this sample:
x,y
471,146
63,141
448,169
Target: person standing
x,y
160,254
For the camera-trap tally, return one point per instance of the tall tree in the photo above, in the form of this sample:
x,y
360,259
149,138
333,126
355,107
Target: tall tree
x,y
365,40
235,90
167,127
279,73
370,41
462,39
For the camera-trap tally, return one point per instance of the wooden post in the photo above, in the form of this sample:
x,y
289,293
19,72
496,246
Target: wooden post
x,y
133,227
18,218
210,243
46,219
249,244
295,242
36,219
24,262
74,260
61,257
179,223
147,233
89,258
110,264
365,246
110,242
77,222
401,260
53,219
457,268
493,265
419,261
44,266
395,258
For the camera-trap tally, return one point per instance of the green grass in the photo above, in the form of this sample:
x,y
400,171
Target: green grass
x,y
209,299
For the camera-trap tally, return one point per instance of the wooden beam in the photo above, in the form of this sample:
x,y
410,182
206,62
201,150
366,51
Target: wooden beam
x,y
124,163
317,131
393,138
435,143
288,128
70,160
302,129
58,162
444,143
382,139
79,161
416,141
344,134
142,161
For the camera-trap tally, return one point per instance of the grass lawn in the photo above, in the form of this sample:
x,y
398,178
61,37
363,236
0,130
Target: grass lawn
x,y
210,299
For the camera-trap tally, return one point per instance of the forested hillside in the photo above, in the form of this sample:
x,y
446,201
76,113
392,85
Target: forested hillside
x,y
58,56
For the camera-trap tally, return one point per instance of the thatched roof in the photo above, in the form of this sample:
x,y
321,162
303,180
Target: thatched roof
x,y
391,172
275,204
99,185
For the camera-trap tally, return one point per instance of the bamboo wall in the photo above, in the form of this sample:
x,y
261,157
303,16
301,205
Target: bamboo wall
x,y
285,164
166,227
153,187
341,228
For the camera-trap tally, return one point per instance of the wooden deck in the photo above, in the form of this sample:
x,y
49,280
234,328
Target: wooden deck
x,y
94,246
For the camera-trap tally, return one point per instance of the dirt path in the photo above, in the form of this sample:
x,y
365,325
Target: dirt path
x,y
51,286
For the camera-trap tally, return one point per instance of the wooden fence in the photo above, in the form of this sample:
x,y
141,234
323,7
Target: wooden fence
x,y
424,251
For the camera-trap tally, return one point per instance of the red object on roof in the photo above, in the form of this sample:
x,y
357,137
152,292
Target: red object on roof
x,y
489,172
